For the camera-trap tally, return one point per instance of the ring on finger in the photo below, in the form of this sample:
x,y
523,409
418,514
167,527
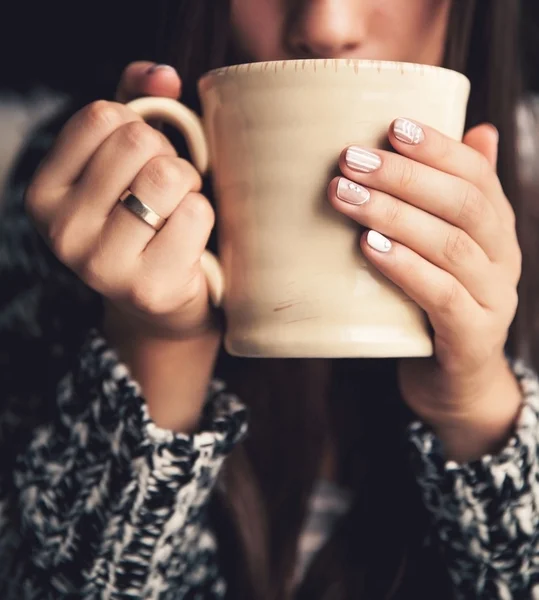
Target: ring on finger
x,y
142,211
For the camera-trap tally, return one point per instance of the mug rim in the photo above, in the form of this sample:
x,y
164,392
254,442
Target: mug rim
x,y
313,64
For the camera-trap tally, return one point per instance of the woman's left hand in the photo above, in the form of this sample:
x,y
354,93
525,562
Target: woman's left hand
x,y
441,228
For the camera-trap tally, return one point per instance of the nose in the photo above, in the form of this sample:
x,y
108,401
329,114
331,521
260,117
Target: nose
x,y
326,28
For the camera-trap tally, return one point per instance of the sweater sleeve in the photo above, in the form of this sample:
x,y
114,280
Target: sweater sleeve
x,y
486,512
108,505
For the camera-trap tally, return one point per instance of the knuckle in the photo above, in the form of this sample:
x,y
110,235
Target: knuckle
x,y
472,206
447,298
94,272
407,174
102,114
189,173
150,298
62,240
197,207
141,136
162,172
393,213
37,201
457,249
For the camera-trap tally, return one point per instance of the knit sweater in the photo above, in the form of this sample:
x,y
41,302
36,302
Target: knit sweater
x,y
96,501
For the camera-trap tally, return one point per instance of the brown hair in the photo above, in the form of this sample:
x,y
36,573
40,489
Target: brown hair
x,y
377,550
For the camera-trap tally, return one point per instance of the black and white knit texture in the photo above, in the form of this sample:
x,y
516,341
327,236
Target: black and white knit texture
x,y
111,506
486,513
110,503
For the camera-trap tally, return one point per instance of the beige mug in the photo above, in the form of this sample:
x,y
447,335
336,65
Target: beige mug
x,y
290,276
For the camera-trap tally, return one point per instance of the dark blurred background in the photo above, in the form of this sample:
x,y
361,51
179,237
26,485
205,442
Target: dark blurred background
x,y
74,46
61,52
54,50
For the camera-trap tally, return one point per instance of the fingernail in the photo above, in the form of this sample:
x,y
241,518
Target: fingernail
x,y
378,242
155,68
408,132
351,192
362,160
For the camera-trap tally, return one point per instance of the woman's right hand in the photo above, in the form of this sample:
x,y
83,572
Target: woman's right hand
x,y
153,280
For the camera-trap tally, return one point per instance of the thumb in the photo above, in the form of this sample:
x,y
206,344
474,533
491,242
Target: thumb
x,y
484,138
148,79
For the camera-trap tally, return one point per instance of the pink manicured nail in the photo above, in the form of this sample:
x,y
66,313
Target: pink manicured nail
x,y
408,132
362,160
351,192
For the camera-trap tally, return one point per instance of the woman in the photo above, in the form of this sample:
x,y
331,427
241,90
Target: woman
x,y
358,479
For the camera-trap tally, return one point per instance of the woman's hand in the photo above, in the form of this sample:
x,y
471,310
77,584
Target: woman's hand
x,y
441,228
153,279
157,313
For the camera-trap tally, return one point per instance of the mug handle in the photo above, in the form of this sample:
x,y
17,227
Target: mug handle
x,y
190,126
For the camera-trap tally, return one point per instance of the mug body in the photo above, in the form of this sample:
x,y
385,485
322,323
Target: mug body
x,y
296,283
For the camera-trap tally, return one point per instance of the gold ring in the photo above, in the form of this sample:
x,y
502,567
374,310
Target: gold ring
x,y
142,211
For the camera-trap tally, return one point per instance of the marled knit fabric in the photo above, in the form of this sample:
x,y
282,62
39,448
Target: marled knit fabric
x,y
112,505
109,503
486,513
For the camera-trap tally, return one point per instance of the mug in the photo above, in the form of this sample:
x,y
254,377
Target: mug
x,y
290,275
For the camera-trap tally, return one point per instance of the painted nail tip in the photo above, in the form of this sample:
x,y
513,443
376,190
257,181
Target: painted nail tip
x,y
352,193
378,242
407,131
155,68
362,160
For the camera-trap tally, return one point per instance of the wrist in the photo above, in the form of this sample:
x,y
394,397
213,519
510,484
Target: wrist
x,y
123,322
174,372
484,421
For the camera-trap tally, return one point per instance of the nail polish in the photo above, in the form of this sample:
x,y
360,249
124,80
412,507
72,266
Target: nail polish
x,y
408,132
351,192
378,242
362,160
155,68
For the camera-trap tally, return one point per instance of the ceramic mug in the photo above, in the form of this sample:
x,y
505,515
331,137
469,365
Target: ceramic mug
x,y
290,275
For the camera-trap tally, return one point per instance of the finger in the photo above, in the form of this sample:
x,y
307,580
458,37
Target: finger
x,y
438,242
115,165
448,197
78,140
161,184
484,139
452,311
430,147
178,247
146,78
